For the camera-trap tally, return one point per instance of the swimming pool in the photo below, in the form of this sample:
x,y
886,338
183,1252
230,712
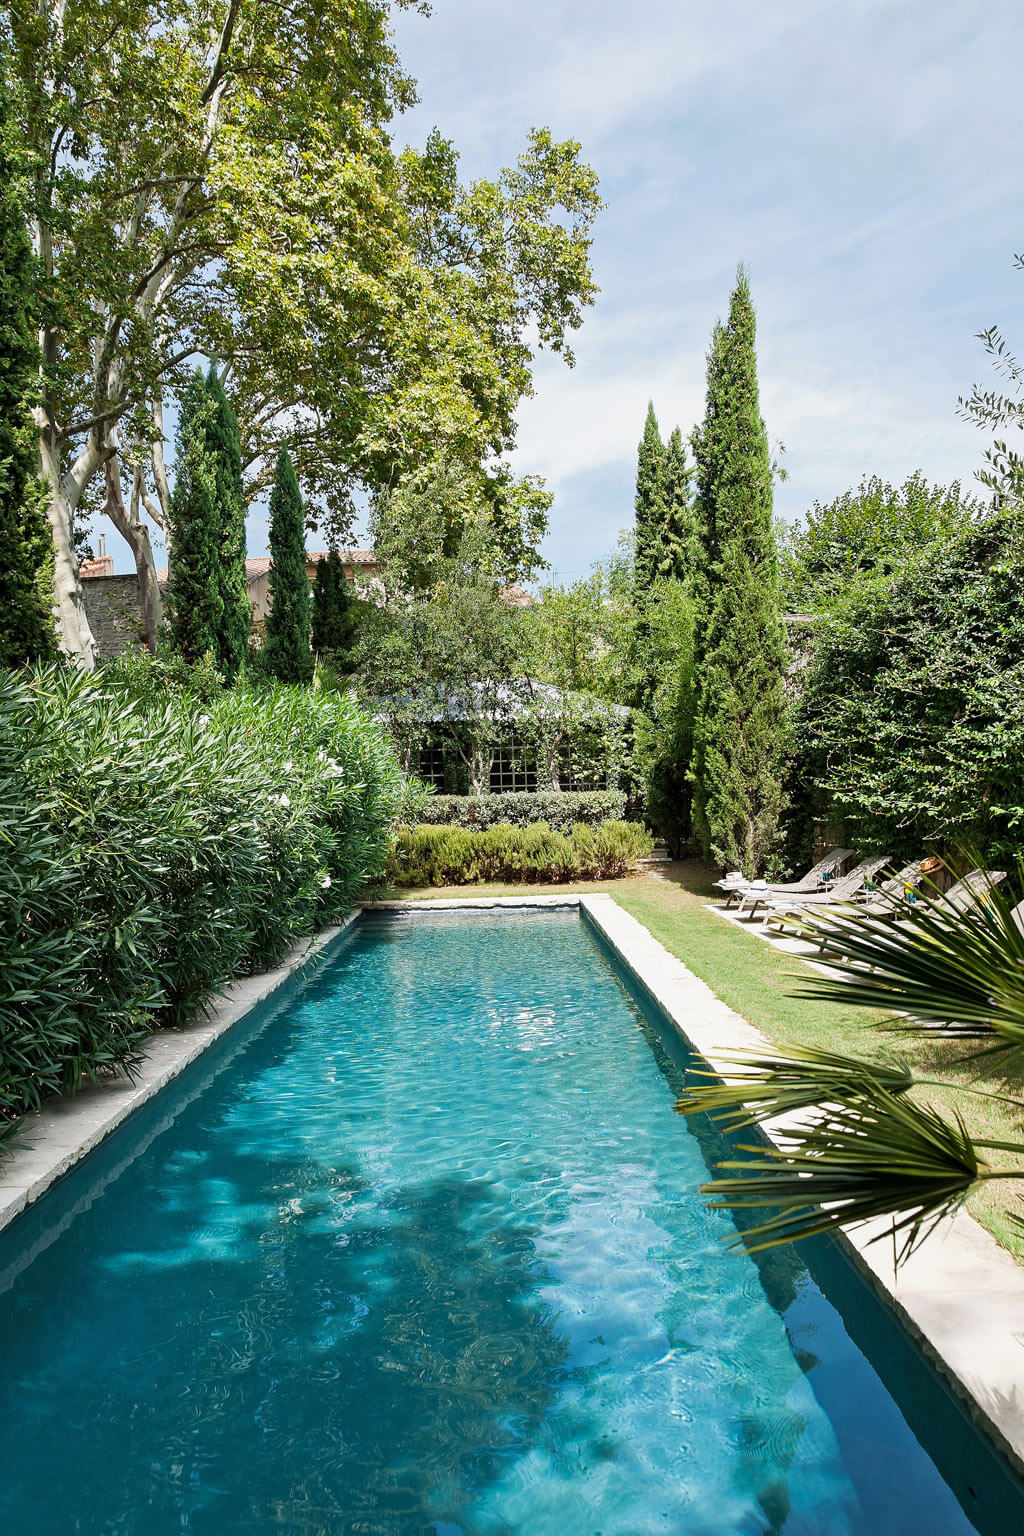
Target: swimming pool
x,y
426,1258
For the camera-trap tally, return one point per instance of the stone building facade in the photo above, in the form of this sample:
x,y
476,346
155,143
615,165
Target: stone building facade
x,y
113,607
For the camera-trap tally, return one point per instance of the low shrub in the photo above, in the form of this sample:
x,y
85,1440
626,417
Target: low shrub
x,y
432,855
559,810
154,844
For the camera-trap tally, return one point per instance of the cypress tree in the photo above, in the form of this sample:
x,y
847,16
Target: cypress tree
x,y
740,734
677,554
226,455
334,618
650,502
26,625
194,602
286,647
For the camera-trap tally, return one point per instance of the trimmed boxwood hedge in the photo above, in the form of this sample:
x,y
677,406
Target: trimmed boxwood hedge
x,y
560,810
154,843
431,855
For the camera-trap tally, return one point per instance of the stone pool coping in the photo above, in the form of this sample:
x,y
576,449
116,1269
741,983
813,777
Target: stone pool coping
x,y
961,1296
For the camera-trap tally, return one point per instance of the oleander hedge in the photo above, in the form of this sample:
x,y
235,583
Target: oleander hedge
x,y
432,855
559,810
155,842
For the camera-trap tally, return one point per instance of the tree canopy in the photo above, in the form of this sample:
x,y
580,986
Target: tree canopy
x,y
214,178
874,530
911,721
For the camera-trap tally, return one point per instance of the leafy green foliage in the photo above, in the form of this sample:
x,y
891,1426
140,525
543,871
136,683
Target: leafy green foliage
x,y
226,455
912,716
740,728
446,855
558,809
875,531
664,730
152,845
230,190
335,613
442,647
583,636
286,646
26,628
195,603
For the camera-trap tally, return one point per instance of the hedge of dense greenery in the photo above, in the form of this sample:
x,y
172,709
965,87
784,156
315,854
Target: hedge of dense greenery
x,y
153,845
431,855
911,724
560,810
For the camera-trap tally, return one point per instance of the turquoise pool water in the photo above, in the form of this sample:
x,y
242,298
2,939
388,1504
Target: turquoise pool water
x,y
426,1258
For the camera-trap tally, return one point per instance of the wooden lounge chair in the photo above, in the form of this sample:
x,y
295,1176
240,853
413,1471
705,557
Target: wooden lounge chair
x,y
888,894
890,897
964,895
814,880
846,888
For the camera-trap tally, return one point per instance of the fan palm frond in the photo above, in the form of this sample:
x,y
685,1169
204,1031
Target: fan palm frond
x,y
772,1085
886,1157
958,974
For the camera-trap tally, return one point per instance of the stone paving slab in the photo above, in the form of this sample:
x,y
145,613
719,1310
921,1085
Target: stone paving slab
x,y
63,1132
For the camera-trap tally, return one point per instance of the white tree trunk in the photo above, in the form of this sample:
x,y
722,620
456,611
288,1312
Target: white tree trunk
x,y
74,635
136,535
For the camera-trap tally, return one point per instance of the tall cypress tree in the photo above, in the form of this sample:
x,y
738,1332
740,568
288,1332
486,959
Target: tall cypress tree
x,y
650,502
26,626
194,602
286,647
740,737
226,455
334,616
677,553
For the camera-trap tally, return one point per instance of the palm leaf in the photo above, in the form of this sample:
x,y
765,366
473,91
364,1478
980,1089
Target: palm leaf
x,y
773,1085
886,1157
961,975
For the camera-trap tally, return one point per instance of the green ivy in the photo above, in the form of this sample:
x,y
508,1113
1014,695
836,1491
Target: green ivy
x,y
911,724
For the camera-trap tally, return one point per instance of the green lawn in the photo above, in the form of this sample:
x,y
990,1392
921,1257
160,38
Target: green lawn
x,y
763,984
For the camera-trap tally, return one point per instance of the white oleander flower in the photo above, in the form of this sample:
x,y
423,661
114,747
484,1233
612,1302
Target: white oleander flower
x,y
283,800
287,767
203,720
325,882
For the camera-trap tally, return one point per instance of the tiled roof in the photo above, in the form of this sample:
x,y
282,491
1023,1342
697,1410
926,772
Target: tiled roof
x,y
517,596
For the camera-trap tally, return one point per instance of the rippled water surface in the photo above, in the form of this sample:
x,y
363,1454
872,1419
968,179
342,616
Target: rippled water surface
x,y
427,1259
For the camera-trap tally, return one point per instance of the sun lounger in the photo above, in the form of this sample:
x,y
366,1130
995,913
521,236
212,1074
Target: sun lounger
x,y
814,880
888,894
846,888
892,896
964,895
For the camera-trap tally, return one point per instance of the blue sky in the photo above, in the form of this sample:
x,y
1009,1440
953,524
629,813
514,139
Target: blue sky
x,y
862,157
